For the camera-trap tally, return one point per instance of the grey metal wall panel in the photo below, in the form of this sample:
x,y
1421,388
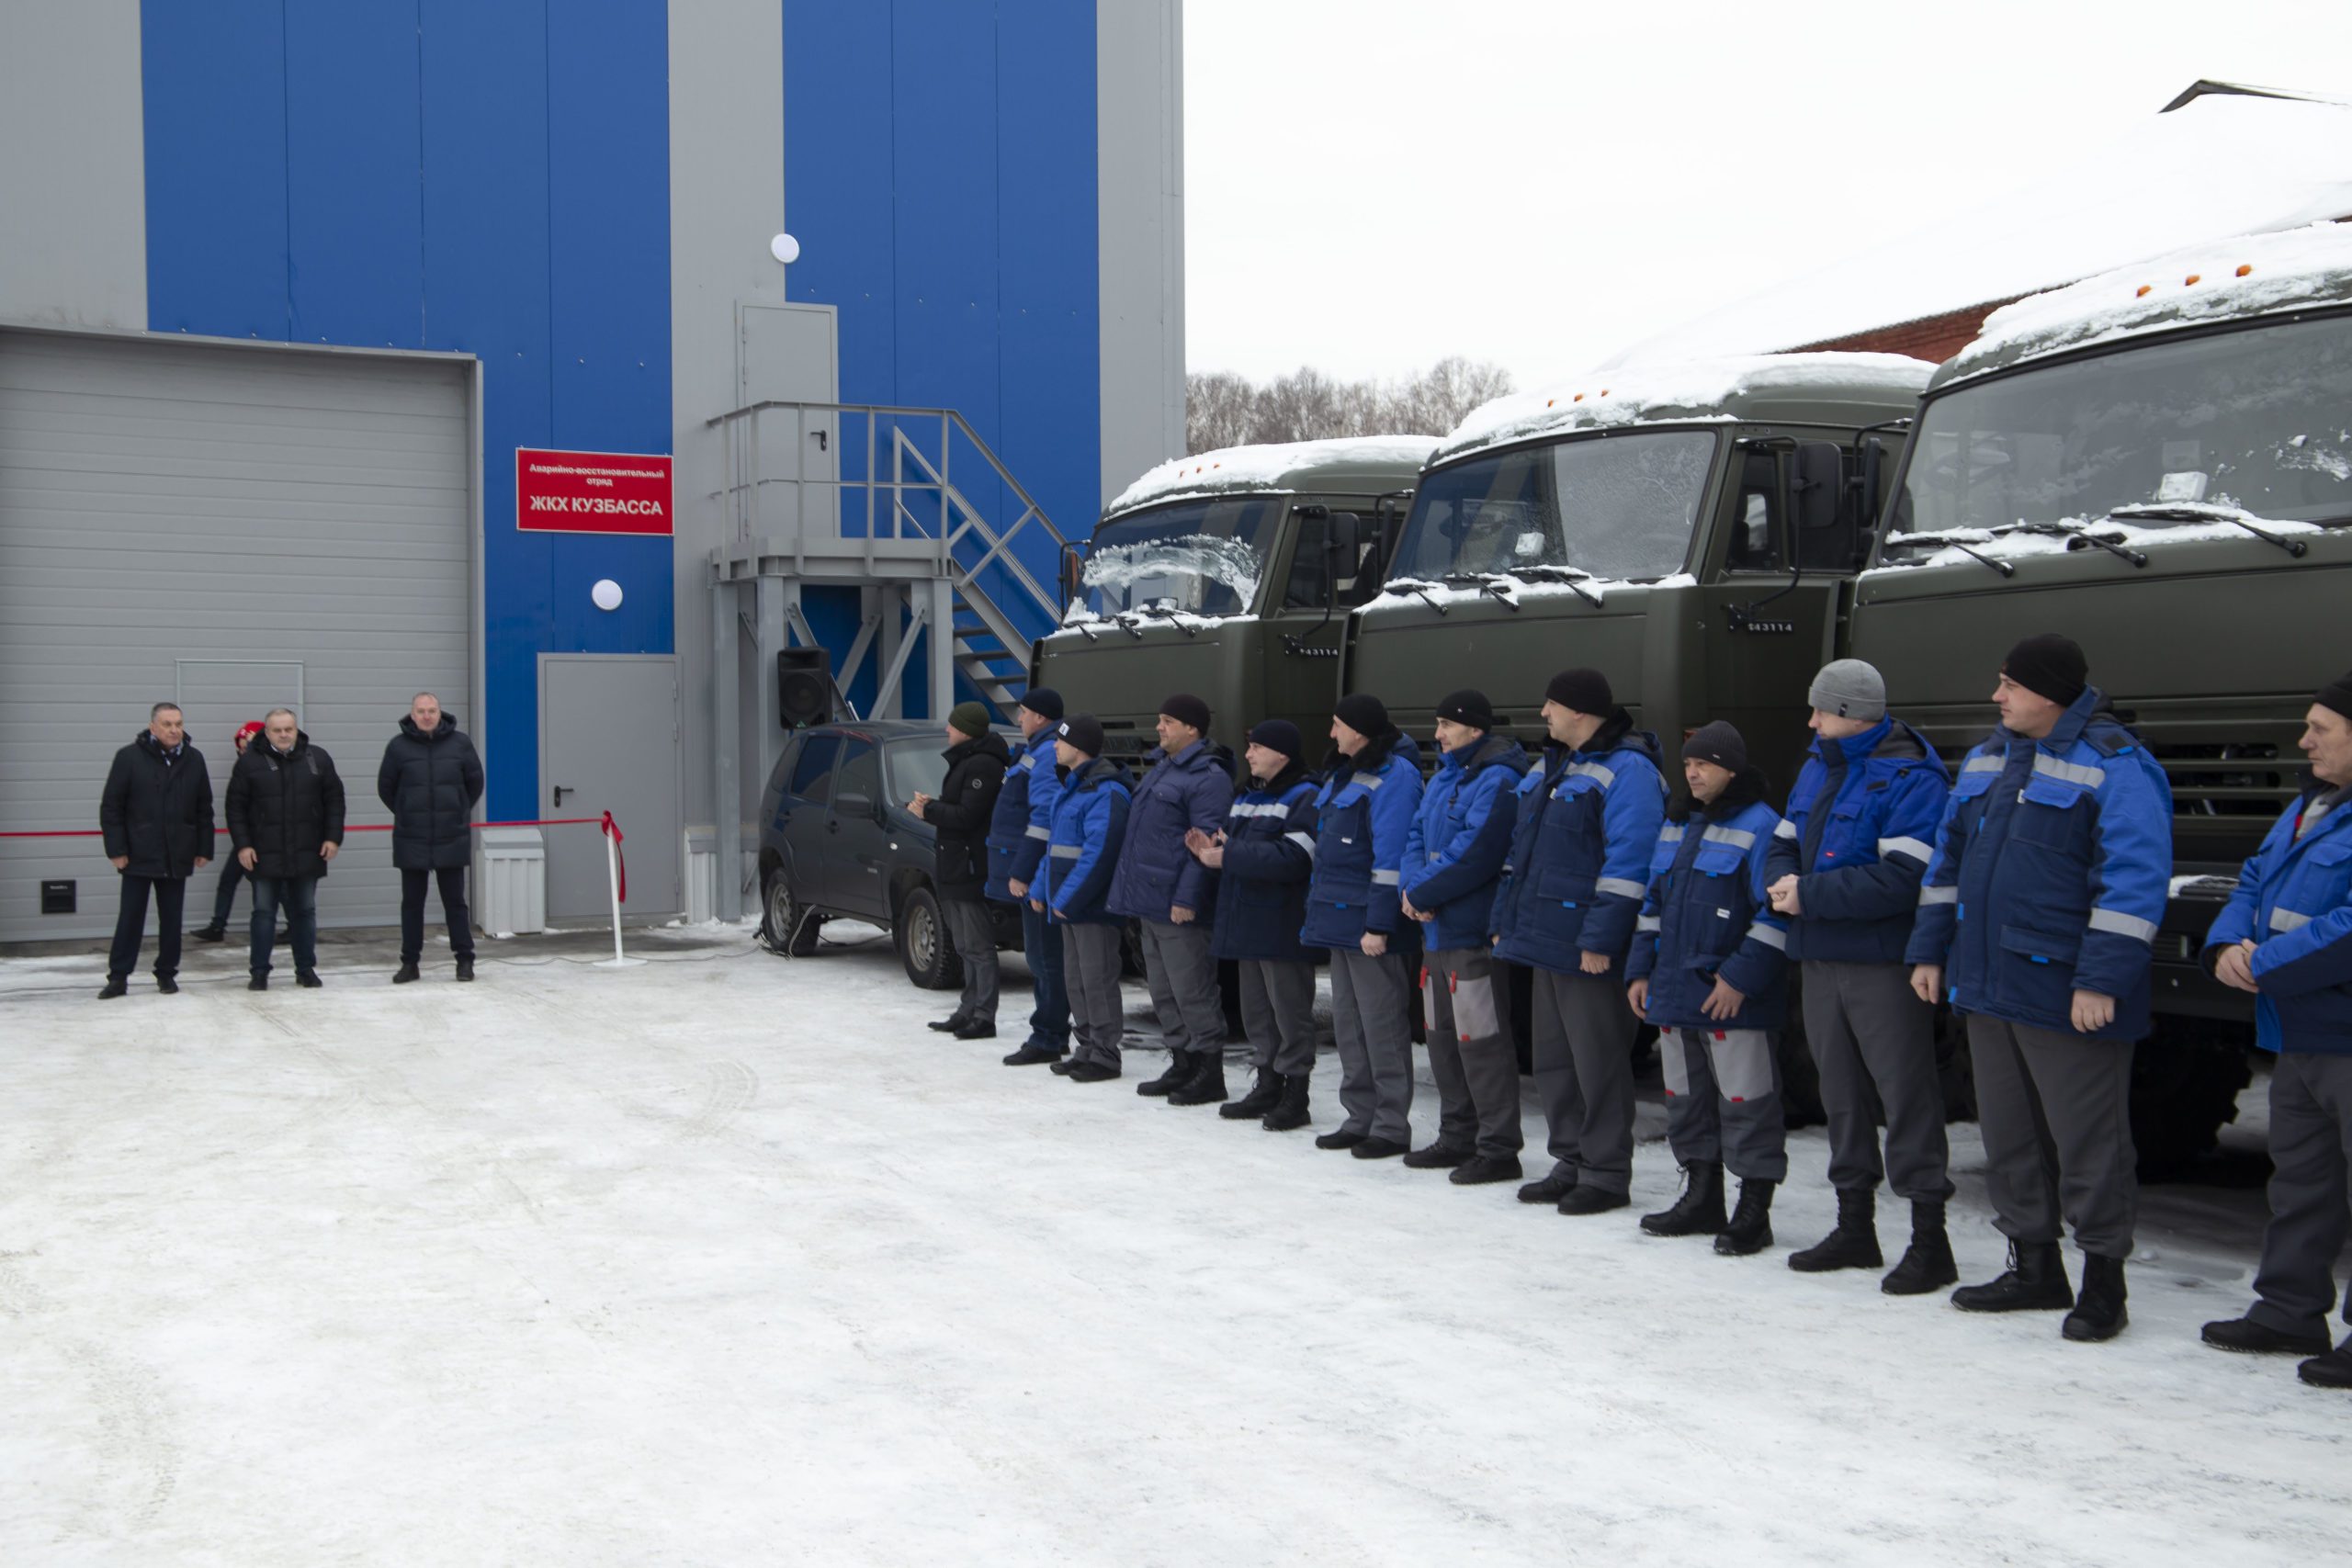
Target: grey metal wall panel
x,y
183,518
73,165
1140,91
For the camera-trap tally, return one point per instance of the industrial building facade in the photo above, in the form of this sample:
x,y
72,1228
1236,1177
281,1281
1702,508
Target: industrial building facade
x,y
288,288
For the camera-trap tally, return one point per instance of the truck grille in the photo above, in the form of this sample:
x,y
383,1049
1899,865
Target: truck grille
x,y
2238,778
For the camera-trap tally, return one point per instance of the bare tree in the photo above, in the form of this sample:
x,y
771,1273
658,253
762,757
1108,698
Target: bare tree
x,y
1222,409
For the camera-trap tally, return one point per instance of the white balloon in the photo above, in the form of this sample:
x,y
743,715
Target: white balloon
x,y
784,248
606,593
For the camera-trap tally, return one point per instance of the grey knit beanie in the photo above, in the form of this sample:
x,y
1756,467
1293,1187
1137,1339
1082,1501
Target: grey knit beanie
x,y
1850,689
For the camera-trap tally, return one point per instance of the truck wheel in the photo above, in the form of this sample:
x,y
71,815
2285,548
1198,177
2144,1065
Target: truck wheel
x,y
2186,1078
788,925
921,932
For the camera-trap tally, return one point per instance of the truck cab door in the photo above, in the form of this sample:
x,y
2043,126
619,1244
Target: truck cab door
x,y
1336,560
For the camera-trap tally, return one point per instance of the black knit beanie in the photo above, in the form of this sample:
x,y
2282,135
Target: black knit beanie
x,y
2337,694
1362,712
1468,707
2050,666
1043,701
1084,731
1581,690
1718,743
1186,708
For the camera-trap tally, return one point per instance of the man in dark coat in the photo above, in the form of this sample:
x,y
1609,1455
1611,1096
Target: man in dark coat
x,y
959,816
156,813
284,823
430,780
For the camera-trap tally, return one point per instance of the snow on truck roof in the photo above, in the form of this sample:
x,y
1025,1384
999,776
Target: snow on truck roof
x,y
2251,275
1767,387
1389,460
2218,160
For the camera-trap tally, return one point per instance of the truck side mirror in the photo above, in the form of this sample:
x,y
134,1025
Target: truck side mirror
x,y
1343,541
1817,484
1073,573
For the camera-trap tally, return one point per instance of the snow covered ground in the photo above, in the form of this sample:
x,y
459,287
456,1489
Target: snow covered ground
x,y
727,1259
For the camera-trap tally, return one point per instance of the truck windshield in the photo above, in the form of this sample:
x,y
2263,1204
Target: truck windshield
x,y
1619,506
2170,435
1202,558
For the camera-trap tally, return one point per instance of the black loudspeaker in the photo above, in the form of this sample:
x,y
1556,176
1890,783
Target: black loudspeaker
x,y
804,686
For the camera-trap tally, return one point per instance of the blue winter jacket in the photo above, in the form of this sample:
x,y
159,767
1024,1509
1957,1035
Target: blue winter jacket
x,y
1089,821
1861,824
1580,850
1269,857
1022,825
1707,916
1363,813
1156,873
2294,899
1455,847
2050,875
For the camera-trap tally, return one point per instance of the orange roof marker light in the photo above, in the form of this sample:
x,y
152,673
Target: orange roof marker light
x,y
2244,268
2191,279
1578,398
2141,292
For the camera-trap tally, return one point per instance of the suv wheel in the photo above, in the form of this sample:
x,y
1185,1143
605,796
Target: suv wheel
x,y
789,925
921,931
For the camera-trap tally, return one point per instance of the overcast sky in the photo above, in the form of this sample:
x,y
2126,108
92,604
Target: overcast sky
x,y
1370,184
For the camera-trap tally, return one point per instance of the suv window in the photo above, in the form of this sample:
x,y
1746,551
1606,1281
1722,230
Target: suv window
x,y
813,768
860,772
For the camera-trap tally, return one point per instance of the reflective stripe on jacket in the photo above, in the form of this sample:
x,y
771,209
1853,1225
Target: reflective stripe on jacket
x,y
2295,901
1362,815
1269,859
1861,823
1090,820
1580,850
1706,916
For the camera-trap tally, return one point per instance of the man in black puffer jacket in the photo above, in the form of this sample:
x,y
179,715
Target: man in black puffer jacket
x,y
959,817
285,822
430,780
157,816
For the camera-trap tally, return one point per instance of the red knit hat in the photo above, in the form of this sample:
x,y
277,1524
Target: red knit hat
x,y
248,729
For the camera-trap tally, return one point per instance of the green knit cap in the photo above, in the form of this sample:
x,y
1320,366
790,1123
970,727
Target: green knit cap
x,y
971,718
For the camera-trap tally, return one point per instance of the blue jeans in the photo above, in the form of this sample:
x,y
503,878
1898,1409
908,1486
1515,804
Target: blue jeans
x,y
1049,1019
300,897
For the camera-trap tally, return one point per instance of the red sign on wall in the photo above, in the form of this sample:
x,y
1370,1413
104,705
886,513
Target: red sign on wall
x,y
590,492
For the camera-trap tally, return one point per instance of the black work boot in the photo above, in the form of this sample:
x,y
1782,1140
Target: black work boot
x,y
1439,1154
1029,1055
1926,1264
116,986
404,974
977,1029
1290,1112
464,966
1551,1188
1206,1085
1584,1198
2331,1370
1750,1230
166,984
2246,1336
2098,1310
308,979
1481,1170
948,1025
1180,1072
1700,1209
1853,1245
2035,1281
258,983
1265,1093
216,932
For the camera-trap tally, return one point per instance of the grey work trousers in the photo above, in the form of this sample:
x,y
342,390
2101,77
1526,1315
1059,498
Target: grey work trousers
x,y
1875,1042
2310,1143
1278,1014
1181,973
1582,1040
975,940
1098,1015
1470,1052
1723,1101
2055,1110
1372,1024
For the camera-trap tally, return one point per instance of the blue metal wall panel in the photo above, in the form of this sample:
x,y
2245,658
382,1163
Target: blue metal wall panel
x,y
354,173
426,204
215,92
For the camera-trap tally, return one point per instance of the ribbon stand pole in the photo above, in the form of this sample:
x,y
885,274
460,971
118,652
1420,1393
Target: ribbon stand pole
x,y
612,832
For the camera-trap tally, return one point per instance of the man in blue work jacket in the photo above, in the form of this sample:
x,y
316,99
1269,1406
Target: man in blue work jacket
x,y
1018,835
1363,814
1453,851
1263,858
2286,936
2036,918
1073,888
1845,873
1709,966
1173,896
1583,832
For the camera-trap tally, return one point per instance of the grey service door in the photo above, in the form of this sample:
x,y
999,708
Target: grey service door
x,y
608,742
787,354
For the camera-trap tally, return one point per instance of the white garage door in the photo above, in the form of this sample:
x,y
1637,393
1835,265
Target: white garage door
x,y
235,530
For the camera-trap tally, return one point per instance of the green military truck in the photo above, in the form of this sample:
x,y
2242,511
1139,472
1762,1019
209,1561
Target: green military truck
x,y
2158,463
1228,574
1687,528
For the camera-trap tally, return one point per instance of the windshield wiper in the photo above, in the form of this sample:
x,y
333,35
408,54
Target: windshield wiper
x,y
1172,617
2179,512
1576,577
1954,542
1487,583
2080,531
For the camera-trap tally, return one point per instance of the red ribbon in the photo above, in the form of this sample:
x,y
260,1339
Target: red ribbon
x,y
620,862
